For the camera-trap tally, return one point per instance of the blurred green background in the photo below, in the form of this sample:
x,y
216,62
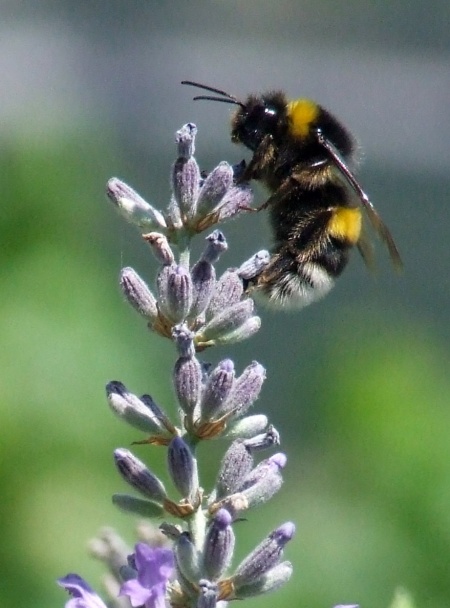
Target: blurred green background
x,y
357,384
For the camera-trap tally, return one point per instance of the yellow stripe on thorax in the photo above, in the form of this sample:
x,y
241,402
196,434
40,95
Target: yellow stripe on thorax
x,y
345,224
302,113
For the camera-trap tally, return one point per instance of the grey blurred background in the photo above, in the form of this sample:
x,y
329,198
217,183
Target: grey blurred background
x,y
357,384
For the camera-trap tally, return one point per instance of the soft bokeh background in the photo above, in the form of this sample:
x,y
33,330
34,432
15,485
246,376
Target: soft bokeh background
x,y
358,384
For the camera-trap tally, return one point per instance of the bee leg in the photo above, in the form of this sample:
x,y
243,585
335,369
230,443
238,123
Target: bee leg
x,y
277,197
238,170
259,159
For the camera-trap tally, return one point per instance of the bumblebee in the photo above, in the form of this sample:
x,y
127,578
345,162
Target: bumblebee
x,y
302,154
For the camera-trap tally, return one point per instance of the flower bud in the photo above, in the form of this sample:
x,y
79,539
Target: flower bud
x,y
135,473
138,294
160,416
263,481
133,207
187,557
219,545
187,380
216,245
263,441
203,283
132,409
217,390
182,468
184,340
236,200
264,557
247,427
270,581
228,320
236,464
185,140
175,292
246,388
254,266
186,173
160,247
242,332
214,188
208,594
228,291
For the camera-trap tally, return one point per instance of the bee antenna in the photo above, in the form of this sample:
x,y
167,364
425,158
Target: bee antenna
x,y
221,99
227,98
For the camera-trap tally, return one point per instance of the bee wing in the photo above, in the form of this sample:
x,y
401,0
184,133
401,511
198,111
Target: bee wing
x,y
366,250
379,226
384,233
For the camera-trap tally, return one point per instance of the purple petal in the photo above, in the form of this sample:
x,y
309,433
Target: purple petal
x,y
136,592
155,567
82,594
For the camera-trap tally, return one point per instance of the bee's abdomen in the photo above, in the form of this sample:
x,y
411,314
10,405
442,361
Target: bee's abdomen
x,y
303,268
286,283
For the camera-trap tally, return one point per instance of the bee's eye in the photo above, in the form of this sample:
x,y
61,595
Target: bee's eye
x,y
269,112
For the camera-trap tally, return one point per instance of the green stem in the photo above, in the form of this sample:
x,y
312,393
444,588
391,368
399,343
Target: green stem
x,y
197,523
184,242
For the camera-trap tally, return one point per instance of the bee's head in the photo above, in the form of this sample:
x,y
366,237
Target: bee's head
x,y
257,117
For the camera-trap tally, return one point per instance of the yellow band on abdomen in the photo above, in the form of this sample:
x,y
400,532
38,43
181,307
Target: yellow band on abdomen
x,y
345,224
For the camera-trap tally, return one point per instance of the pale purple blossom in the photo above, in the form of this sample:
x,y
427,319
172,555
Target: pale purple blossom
x,y
154,568
82,594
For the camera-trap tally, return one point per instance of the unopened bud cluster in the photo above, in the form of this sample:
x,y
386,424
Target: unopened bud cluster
x,y
197,203
216,309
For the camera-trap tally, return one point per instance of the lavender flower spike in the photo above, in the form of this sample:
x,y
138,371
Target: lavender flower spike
x,y
196,310
82,594
154,569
